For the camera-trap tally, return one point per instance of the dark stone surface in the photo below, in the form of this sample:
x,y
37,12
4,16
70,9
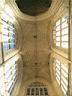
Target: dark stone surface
x,y
33,7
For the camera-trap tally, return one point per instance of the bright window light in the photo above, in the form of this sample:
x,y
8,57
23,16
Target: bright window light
x,y
64,44
2,3
58,22
63,19
64,79
63,90
58,76
10,74
2,89
64,67
1,71
65,24
65,38
58,44
8,31
4,31
58,33
61,75
65,86
57,38
7,66
57,28
64,73
65,31
5,47
58,67
4,16
5,38
4,25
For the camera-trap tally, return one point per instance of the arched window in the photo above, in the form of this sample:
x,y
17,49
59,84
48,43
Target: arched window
x,y
60,33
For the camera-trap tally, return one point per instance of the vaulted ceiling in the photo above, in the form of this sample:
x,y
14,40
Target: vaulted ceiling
x,y
34,7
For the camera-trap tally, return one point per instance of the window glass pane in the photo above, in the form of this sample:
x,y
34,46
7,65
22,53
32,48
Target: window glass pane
x,y
5,46
58,67
1,71
63,84
63,90
65,31
63,19
64,44
4,16
37,91
64,73
8,30
58,33
61,74
57,43
10,75
4,25
1,81
57,71
58,28
5,31
28,91
58,22
64,67
57,38
5,38
2,3
65,24
32,91
41,91
65,38
64,79
12,45
58,76
45,91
